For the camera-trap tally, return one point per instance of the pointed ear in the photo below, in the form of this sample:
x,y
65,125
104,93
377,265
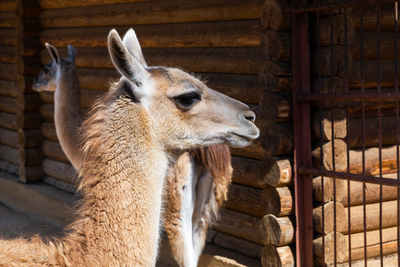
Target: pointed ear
x,y
128,65
132,44
53,53
71,53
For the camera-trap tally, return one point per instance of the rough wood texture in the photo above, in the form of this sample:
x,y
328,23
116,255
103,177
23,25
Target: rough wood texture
x,y
387,46
8,120
276,15
322,124
328,222
278,201
388,260
247,171
246,199
276,172
8,88
332,62
338,30
277,256
276,45
207,34
8,5
236,244
277,139
330,186
276,107
236,60
53,150
8,54
389,243
50,4
371,76
8,137
8,37
369,17
8,72
9,154
240,225
154,12
48,130
63,171
340,156
277,231
254,151
372,192
329,250
389,218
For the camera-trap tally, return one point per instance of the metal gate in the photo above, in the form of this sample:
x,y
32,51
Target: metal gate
x,y
346,132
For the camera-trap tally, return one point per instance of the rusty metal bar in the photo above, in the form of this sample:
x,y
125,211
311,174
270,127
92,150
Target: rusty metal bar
x,y
350,176
302,138
396,88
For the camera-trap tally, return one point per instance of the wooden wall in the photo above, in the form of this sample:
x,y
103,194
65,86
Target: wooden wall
x,y
219,40
20,140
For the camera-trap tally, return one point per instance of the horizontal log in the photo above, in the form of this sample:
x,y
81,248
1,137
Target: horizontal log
x,y
276,172
368,41
207,34
322,124
273,68
277,256
276,45
8,5
47,112
369,13
253,151
8,54
9,167
236,60
335,27
237,244
240,225
8,72
246,199
60,184
388,260
389,216
48,130
10,104
50,4
372,192
276,15
332,61
277,231
277,139
326,223
8,137
9,154
8,120
53,150
389,243
387,69
276,107
8,19
236,86
327,248
8,37
158,12
247,171
333,189
62,171
325,152
8,88
278,201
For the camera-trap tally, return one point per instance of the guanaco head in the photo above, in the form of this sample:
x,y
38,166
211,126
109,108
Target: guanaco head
x,y
185,113
49,75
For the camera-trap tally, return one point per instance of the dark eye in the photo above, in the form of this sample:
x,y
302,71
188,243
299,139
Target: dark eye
x,y
186,101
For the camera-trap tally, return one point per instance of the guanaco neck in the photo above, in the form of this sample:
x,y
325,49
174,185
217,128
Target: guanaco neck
x,y
123,172
67,115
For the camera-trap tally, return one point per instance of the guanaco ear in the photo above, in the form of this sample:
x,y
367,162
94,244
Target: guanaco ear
x,y
132,44
53,53
128,65
71,53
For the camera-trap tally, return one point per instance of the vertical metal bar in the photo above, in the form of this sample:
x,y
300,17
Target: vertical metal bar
x,y
346,80
378,46
302,137
363,130
332,136
396,88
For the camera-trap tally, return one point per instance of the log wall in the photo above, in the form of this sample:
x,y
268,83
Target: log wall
x,y
340,205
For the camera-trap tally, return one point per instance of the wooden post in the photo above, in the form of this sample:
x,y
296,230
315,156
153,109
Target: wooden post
x,y
277,256
328,223
278,201
276,172
277,231
329,248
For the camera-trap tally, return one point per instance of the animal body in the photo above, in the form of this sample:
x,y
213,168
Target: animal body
x,y
148,119
196,185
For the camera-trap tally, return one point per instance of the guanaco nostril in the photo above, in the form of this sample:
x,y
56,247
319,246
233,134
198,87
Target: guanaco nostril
x,y
249,115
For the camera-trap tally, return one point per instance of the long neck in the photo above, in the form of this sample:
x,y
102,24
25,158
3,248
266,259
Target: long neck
x,y
122,179
67,115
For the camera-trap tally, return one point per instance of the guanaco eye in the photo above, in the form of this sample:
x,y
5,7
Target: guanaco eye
x,y
186,101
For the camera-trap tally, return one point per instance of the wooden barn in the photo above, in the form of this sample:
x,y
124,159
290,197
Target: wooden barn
x,y
321,184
